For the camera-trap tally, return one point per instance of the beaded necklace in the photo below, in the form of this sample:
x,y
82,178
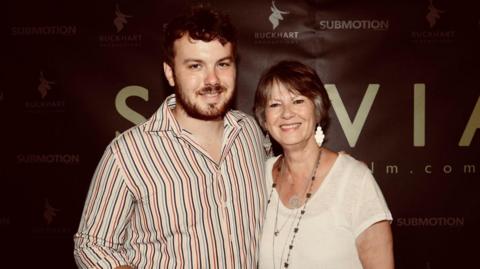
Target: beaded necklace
x,y
300,216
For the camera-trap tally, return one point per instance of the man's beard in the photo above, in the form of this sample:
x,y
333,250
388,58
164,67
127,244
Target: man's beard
x,y
213,112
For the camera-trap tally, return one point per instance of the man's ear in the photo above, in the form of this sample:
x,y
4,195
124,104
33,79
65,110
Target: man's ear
x,y
168,71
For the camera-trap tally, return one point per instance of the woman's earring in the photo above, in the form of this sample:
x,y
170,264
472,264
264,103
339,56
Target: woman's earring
x,y
267,144
319,136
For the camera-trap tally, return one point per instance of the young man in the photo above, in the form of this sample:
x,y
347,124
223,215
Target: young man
x,y
184,189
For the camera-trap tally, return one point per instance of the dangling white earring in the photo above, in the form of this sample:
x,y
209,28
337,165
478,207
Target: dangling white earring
x,y
267,145
319,136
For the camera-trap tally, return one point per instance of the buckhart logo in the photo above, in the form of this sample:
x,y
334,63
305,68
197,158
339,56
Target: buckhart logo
x,y
44,85
51,225
49,212
276,15
45,102
276,37
121,38
120,19
434,33
433,14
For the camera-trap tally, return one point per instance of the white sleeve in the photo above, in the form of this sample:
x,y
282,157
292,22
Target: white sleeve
x,y
370,207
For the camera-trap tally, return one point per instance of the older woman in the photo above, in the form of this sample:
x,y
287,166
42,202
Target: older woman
x,y
325,209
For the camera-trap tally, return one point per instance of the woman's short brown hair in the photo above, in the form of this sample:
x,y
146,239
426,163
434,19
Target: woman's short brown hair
x,y
297,78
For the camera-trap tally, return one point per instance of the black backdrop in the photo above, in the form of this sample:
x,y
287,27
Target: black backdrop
x,y
402,76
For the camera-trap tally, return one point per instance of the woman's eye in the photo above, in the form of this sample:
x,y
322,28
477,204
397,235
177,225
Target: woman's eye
x,y
274,105
298,101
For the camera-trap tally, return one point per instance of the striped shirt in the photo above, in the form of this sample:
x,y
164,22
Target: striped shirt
x,y
157,200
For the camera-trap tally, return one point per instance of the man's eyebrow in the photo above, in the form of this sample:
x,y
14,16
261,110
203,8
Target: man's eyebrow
x,y
227,58
192,60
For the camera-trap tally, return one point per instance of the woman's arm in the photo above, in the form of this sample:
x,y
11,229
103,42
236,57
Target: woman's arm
x,y
375,246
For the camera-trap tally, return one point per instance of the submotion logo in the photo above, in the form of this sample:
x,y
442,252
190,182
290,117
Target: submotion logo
x,y
49,30
49,158
375,25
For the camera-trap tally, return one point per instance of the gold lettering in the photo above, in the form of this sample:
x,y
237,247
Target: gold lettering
x,y
469,168
447,169
419,115
352,129
472,126
121,104
428,169
392,169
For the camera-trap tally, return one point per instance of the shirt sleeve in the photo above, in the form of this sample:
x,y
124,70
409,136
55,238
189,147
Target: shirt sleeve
x,y
371,206
98,242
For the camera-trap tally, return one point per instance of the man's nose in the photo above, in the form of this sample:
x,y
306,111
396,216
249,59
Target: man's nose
x,y
211,77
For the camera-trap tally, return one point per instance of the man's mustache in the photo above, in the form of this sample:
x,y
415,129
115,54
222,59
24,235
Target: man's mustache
x,y
212,89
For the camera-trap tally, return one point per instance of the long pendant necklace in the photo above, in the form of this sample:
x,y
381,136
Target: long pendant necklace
x,y
279,228
300,216
294,201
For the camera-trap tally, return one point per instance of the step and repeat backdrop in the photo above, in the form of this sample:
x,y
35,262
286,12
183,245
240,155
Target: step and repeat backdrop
x,y
402,76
